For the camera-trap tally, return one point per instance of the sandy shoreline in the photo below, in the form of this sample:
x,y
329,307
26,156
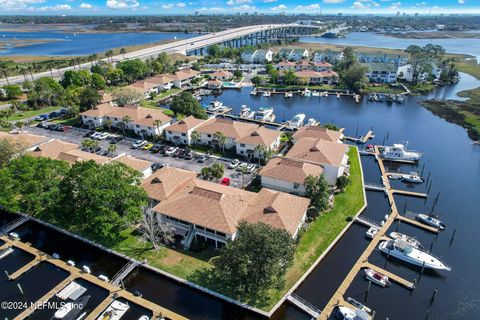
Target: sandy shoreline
x,y
435,35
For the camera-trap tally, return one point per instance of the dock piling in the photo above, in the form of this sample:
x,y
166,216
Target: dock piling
x,y
451,239
8,276
423,168
423,267
433,295
427,315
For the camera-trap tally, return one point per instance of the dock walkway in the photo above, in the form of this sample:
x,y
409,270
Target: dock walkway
x,y
304,305
368,222
12,225
391,276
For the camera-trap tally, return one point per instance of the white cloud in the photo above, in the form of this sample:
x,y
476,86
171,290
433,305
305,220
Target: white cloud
x,y
358,5
280,7
333,1
167,6
364,4
244,7
18,4
395,6
235,2
211,9
171,5
461,1
85,6
58,7
314,6
269,1
181,5
419,4
122,4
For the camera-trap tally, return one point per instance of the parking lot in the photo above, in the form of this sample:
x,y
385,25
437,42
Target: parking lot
x,y
77,135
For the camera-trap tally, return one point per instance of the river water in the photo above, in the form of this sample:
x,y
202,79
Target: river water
x,y
66,44
377,40
452,163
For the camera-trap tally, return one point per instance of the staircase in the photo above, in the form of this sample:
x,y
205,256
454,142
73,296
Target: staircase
x,y
188,241
12,225
120,275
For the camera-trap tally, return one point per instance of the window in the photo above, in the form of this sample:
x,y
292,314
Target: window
x,y
184,135
242,145
296,185
95,118
170,132
137,126
209,135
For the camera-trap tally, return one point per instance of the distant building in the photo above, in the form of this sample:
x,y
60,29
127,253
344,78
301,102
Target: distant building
x,y
257,56
293,54
328,56
406,73
221,75
367,57
381,72
318,77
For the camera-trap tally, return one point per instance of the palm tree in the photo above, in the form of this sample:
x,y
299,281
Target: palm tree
x,y
49,67
109,55
112,148
94,57
158,123
122,52
221,139
244,171
23,70
126,120
195,136
4,70
260,150
30,70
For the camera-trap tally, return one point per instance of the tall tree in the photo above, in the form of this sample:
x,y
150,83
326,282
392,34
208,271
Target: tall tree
x,y
317,190
155,231
255,262
186,104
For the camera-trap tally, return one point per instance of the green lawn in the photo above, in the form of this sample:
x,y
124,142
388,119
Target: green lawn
x,y
168,93
21,115
312,243
382,88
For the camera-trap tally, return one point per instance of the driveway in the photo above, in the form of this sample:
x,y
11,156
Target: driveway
x,y
76,135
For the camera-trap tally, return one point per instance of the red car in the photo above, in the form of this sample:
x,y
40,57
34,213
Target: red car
x,y
225,181
66,128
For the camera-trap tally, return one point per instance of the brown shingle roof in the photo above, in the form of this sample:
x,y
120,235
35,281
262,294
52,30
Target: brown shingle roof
x,y
138,115
24,139
230,128
278,209
52,149
161,79
318,132
318,151
99,110
134,163
222,74
261,136
143,85
185,124
291,170
166,181
316,74
75,155
184,74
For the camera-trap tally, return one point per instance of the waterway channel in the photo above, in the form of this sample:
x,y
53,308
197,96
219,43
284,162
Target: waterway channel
x,y
449,158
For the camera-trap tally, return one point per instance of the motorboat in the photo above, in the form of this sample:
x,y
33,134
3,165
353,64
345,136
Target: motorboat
x,y
215,106
358,304
114,311
325,94
144,317
297,120
377,278
246,112
412,178
271,118
395,176
71,291
5,252
399,152
400,249
399,98
315,94
288,94
371,232
71,310
267,94
353,314
263,113
311,122
253,92
411,241
307,93
430,220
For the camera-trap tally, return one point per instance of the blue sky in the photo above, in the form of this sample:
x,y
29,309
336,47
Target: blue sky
x,y
91,7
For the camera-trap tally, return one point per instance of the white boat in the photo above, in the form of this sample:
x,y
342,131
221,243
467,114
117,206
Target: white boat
x,y
402,250
395,176
144,317
315,94
411,241
271,118
377,278
325,94
246,112
5,252
263,113
288,95
399,152
253,92
353,314
371,232
412,178
71,310
71,291
215,106
429,220
307,93
311,122
357,304
114,311
266,94
297,120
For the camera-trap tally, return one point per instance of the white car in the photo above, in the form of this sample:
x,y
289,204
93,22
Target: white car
x,y
139,144
251,167
103,136
242,165
171,151
233,164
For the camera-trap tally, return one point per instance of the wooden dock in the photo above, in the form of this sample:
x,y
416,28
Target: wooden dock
x,y
363,139
304,305
74,272
411,193
418,224
407,284
362,262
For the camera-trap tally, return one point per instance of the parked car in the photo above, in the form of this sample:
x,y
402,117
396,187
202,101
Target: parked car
x,y
116,139
147,146
139,143
95,150
156,166
156,148
251,167
234,164
163,149
170,151
54,114
202,158
95,135
43,125
190,155
42,117
89,134
225,181
54,126
65,128
181,153
242,165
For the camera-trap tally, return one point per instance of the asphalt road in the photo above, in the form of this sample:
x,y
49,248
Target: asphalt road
x,y
76,135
